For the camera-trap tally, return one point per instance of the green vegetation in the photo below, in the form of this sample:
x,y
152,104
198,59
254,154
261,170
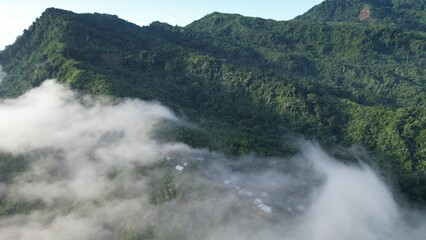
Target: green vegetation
x,y
409,14
246,82
10,166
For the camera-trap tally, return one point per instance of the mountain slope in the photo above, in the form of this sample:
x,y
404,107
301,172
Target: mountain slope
x,y
102,54
409,14
248,81
328,52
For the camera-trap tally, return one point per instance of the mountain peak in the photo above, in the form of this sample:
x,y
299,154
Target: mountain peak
x,y
403,13
216,18
53,10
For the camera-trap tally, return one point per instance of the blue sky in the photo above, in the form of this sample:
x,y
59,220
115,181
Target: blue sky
x,y
17,15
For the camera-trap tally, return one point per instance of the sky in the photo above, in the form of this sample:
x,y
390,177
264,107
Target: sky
x,y
17,15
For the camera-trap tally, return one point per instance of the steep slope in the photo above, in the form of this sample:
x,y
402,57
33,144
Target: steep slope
x,y
247,80
102,54
409,14
357,61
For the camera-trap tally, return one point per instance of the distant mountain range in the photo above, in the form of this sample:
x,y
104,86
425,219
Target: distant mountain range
x,y
345,72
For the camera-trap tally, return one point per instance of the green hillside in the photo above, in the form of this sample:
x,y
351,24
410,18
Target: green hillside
x,y
249,82
407,14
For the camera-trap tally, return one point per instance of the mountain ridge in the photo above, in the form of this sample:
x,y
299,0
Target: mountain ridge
x,y
409,14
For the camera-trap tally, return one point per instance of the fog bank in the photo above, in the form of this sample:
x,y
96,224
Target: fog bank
x,y
94,171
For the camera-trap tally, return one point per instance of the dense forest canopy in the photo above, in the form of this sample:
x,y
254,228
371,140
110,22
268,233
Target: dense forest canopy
x,y
408,14
346,72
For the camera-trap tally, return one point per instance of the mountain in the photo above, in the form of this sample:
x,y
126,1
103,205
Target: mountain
x,y
408,14
248,82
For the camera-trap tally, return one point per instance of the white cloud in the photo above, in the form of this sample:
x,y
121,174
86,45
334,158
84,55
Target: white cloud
x,y
353,202
93,171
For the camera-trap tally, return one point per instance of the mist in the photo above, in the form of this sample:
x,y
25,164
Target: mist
x,y
93,170
2,74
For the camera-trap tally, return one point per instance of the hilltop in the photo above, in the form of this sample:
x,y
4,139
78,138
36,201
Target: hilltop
x,y
407,14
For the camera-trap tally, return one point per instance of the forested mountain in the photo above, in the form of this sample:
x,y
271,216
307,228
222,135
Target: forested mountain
x,y
409,14
249,81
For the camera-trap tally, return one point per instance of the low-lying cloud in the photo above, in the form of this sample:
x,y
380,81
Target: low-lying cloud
x,y
94,171
2,74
